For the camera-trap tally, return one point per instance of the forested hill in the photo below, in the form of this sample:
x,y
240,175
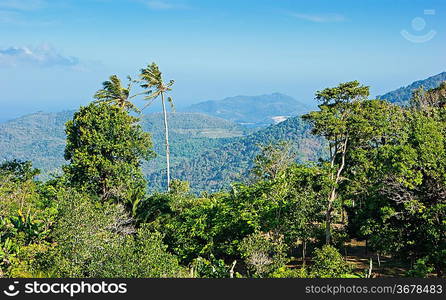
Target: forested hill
x,y
40,137
232,161
402,95
209,152
252,110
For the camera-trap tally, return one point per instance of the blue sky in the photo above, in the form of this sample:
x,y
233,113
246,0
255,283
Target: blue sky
x,y
54,54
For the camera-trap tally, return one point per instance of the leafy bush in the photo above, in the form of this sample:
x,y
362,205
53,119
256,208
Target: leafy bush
x,y
285,272
329,263
203,268
420,269
263,252
98,240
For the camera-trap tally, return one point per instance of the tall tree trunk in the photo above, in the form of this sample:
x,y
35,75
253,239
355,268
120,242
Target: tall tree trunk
x,y
328,212
304,252
332,197
166,140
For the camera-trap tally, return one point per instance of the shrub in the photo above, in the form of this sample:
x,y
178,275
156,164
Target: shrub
x,y
215,268
329,263
263,252
285,272
421,269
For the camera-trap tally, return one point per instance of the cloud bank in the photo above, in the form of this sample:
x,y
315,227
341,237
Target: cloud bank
x,y
43,56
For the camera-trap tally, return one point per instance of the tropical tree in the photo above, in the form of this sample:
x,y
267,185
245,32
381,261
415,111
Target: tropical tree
x,y
333,122
114,93
105,146
152,80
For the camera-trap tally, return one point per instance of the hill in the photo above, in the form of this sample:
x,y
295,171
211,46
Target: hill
x,y
232,160
40,137
253,111
402,95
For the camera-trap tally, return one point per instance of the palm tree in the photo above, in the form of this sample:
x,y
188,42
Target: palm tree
x,y
113,92
152,80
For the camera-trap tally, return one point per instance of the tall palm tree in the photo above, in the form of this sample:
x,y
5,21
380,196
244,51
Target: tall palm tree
x,y
113,92
152,80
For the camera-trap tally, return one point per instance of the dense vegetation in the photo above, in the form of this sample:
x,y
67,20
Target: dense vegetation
x,y
382,180
219,148
40,138
232,160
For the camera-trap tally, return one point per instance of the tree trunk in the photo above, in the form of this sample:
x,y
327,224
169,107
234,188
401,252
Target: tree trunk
x,y
231,271
166,140
379,259
304,252
439,271
328,219
332,196
369,271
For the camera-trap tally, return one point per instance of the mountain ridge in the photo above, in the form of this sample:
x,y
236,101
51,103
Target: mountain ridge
x,y
402,95
256,111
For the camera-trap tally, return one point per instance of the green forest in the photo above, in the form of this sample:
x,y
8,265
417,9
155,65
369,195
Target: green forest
x,y
357,190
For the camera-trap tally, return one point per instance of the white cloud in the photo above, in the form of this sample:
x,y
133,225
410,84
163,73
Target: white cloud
x,y
42,56
319,18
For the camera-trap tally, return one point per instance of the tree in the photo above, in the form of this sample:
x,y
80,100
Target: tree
x,y
263,252
105,146
333,122
19,171
329,263
114,93
431,99
100,241
406,197
25,220
151,78
273,159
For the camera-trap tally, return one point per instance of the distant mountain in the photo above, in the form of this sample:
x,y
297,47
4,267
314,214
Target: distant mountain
x,y
402,95
40,137
252,111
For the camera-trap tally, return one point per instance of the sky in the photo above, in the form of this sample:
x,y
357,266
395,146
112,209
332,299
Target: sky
x,y
55,54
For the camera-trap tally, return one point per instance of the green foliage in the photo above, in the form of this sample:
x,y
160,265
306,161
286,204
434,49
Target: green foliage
x,y
203,268
329,263
263,252
105,146
18,171
233,159
285,272
384,181
25,221
272,160
113,93
208,152
99,240
421,269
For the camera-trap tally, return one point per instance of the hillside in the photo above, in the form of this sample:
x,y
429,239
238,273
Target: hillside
x,y
40,137
403,94
252,110
233,159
